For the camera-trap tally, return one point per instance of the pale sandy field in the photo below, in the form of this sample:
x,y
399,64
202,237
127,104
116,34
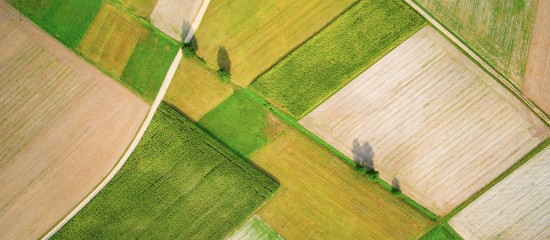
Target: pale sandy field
x,y
537,76
174,17
64,126
518,207
437,124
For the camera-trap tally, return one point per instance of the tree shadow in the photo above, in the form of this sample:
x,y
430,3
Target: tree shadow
x,y
223,59
185,28
395,187
363,155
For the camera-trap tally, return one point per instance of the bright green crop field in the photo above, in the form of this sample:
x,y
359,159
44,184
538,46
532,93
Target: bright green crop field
x,y
339,53
67,20
243,123
442,232
178,183
151,59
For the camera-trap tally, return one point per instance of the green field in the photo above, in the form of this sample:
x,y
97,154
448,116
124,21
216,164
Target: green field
x,y
499,31
147,67
255,228
178,183
442,232
67,20
340,52
243,123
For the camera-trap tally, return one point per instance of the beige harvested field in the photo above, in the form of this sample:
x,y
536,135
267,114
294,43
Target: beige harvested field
x,y
174,17
436,123
518,207
64,125
537,77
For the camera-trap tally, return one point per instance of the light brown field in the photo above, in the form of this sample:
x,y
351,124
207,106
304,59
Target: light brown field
x,y
518,207
322,198
142,8
174,17
111,39
537,76
436,123
64,125
196,90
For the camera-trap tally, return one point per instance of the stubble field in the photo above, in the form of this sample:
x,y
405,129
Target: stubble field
x,y
499,31
174,17
518,207
64,126
537,80
429,119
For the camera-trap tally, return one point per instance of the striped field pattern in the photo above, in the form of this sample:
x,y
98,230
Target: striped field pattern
x,y
438,126
518,207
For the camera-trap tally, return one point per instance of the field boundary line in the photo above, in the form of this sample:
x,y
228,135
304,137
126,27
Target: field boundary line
x,y
478,60
129,150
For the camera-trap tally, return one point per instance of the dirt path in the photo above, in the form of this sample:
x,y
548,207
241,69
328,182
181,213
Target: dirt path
x,y
479,60
537,75
196,22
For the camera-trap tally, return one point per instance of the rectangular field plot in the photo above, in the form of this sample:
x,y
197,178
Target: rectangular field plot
x,y
323,198
499,31
64,126
175,17
255,228
430,121
336,55
518,207
179,183
142,8
255,34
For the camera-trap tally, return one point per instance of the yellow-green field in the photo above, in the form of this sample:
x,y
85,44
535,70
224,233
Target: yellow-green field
x,y
195,90
257,33
142,8
320,197
111,39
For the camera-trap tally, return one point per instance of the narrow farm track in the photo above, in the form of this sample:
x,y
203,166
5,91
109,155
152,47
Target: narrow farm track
x,y
518,207
435,121
435,23
156,103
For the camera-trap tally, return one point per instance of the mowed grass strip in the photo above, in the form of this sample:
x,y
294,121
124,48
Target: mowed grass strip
x,y
178,183
195,90
67,20
149,63
442,232
323,198
331,59
499,31
243,123
257,33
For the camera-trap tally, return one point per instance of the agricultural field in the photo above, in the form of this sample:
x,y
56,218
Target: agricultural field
x,y
255,228
335,56
429,120
323,198
174,17
441,232
537,83
499,31
195,90
66,20
121,45
517,207
243,123
64,126
142,8
247,37
179,183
